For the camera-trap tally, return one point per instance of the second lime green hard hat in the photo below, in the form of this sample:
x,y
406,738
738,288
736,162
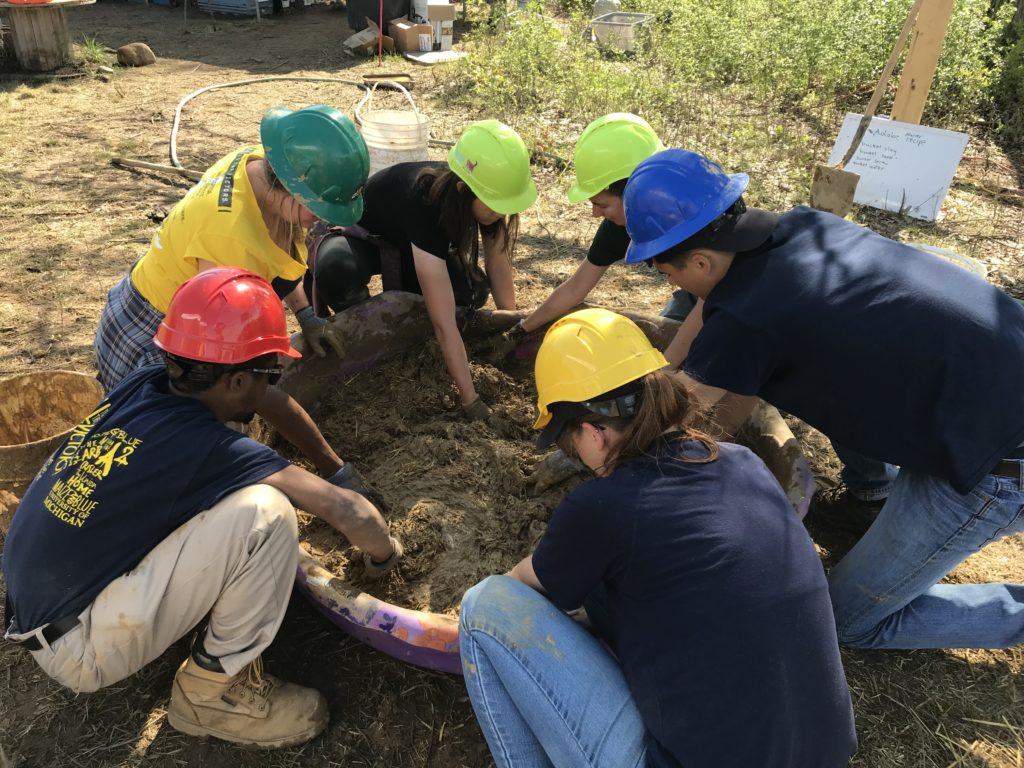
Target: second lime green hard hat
x,y
320,158
608,151
493,162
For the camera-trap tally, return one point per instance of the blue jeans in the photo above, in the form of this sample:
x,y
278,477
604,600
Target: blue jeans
x,y
546,693
867,479
885,592
679,305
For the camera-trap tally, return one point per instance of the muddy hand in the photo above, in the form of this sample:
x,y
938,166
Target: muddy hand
x,y
477,410
374,570
503,319
555,468
505,344
348,478
318,332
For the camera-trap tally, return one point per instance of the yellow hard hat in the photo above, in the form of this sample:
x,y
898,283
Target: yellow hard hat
x,y
587,354
493,161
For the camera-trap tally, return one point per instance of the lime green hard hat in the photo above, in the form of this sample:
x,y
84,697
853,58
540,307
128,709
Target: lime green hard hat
x,y
493,162
608,151
320,158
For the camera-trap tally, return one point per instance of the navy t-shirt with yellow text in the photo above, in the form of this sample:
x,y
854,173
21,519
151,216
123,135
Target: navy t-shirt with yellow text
x,y
138,467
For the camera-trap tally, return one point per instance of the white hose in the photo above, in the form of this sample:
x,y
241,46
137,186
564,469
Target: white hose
x,y
183,102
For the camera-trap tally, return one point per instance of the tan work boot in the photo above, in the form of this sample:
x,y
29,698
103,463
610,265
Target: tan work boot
x,y
249,708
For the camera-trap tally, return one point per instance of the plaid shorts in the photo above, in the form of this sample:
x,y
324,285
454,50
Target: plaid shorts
x,y
124,340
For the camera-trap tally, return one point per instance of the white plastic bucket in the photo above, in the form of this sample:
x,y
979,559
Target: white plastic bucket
x,y
392,135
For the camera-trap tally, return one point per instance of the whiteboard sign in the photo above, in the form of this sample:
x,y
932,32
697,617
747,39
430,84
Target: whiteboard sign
x,y
903,167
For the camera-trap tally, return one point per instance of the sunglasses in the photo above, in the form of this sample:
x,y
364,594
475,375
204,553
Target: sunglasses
x,y
624,405
273,374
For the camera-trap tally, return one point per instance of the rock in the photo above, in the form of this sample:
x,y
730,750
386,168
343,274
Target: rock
x,y
135,55
105,70
8,505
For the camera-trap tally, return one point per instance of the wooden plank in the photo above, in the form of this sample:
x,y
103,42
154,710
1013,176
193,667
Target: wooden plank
x,y
919,69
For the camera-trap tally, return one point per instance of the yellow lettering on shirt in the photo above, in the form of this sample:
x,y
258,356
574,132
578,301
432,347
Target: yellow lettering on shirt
x,y
94,457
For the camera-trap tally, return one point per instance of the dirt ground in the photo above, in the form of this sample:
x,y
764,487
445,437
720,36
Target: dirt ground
x,y
458,494
72,224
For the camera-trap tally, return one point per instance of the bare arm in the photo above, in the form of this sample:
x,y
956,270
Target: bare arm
x,y
706,396
283,413
297,300
523,571
679,347
566,296
344,510
432,274
500,274
732,411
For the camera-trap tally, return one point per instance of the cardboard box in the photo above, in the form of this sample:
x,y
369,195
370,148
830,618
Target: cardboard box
x,y
443,35
365,43
409,36
440,12
442,19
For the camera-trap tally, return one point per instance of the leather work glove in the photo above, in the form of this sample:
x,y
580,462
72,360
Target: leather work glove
x,y
348,478
372,570
477,410
553,469
318,332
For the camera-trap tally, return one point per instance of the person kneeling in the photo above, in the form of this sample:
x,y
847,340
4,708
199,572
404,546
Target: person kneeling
x,y
696,574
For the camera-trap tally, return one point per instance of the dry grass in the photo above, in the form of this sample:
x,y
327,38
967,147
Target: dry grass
x,y
72,225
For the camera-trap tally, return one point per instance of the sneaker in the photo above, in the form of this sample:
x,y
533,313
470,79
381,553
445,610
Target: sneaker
x,y
250,708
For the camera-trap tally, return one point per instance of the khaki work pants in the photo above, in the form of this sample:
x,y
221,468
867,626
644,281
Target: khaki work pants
x,y
235,561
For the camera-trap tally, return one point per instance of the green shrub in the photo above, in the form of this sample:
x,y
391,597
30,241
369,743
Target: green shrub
x,y
783,52
1009,94
94,52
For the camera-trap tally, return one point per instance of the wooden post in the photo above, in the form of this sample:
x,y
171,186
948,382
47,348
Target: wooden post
x,y
919,69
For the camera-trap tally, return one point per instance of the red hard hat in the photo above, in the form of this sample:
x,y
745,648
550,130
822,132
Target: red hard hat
x,y
226,316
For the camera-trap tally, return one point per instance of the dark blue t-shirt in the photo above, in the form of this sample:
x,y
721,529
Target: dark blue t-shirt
x,y
142,464
892,352
719,608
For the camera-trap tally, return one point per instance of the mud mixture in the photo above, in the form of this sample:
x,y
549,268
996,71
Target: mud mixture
x,y
457,493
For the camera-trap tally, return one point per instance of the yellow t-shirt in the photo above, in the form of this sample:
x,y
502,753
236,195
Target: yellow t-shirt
x,y
217,221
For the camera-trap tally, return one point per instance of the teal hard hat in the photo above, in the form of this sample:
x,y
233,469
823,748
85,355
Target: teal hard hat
x,y
320,158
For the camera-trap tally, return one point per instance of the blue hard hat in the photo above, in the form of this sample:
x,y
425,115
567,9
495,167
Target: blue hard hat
x,y
673,195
